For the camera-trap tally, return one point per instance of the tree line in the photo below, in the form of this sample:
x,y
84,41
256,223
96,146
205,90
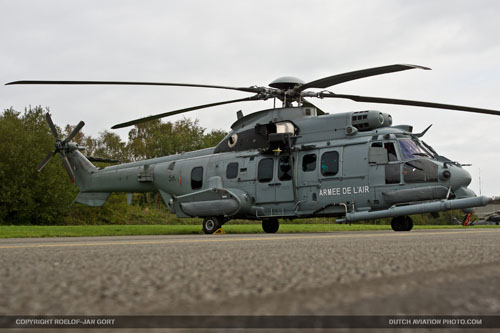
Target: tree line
x,y
39,198
46,197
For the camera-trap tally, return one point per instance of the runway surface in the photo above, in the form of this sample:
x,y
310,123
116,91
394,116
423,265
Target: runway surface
x,y
449,272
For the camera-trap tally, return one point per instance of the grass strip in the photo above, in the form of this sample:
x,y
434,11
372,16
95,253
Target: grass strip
x,y
135,230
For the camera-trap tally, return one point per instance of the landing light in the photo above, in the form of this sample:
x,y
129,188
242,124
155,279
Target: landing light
x,y
445,175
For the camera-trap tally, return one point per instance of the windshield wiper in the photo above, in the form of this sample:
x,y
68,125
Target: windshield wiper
x,y
430,148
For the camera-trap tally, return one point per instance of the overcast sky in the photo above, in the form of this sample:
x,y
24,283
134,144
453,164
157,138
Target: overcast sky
x,y
243,43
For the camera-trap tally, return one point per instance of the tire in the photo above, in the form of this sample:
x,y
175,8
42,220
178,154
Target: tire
x,y
270,226
402,223
211,224
396,224
410,223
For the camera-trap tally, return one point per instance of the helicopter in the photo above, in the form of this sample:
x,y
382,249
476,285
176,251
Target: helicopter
x,y
288,162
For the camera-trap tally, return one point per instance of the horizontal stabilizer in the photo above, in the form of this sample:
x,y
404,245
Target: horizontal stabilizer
x,y
95,199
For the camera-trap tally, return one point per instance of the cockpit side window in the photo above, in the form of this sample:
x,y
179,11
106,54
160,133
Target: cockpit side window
x,y
390,148
391,151
420,171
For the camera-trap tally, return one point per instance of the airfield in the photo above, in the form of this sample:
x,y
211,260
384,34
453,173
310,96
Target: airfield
x,y
422,272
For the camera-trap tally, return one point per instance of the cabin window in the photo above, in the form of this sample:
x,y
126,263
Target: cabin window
x,y
285,169
309,162
330,163
265,170
232,170
197,178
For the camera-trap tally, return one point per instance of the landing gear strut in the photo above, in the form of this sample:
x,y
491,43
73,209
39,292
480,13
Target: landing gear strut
x,y
402,223
270,225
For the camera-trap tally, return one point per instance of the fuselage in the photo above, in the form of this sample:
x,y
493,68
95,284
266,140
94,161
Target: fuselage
x,y
330,168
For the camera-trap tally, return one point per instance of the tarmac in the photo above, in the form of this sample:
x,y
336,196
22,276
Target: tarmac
x,y
422,272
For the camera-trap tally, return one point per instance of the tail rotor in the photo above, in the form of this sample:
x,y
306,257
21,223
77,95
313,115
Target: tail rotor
x,y
61,147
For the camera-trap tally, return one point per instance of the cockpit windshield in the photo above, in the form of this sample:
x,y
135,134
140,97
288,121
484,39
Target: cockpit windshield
x,y
412,149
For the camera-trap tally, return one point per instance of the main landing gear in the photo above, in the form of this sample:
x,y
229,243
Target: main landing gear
x,y
270,225
402,223
211,224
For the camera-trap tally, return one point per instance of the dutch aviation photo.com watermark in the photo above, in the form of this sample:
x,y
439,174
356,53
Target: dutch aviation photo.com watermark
x,y
269,322
436,322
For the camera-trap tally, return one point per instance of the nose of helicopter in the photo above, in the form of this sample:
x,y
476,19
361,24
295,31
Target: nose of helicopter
x,y
459,177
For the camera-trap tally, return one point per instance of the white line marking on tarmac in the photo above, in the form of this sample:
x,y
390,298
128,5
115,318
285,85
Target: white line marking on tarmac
x,y
240,239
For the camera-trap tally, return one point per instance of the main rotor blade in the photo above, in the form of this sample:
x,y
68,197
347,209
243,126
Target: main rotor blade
x,y
171,113
67,166
74,132
350,76
51,125
46,160
382,100
103,160
132,83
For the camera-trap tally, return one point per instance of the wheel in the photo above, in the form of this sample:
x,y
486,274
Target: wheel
x,y
211,224
402,223
410,223
270,225
396,224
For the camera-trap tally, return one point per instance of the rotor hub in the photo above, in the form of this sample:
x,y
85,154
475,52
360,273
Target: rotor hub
x,y
286,82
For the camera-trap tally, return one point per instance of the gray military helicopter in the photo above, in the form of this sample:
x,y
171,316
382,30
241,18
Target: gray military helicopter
x,y
293,161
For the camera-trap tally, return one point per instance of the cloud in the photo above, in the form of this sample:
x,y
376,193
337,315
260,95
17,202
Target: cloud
x,y
252,43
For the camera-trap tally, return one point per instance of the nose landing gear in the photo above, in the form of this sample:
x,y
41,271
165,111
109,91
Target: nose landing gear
x,y
270,225
212,224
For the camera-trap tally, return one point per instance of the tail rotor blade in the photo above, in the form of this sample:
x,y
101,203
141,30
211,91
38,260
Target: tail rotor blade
x,y
51,125
74,132
61,147
67,166
45,160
